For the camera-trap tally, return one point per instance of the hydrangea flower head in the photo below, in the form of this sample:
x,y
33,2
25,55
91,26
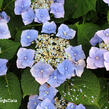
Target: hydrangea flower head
x,y
79,67
59,1
41,15
28,36
106,1
76,53
65,32
3,67
56,79
25,58
57,9
46,104
49,27
106,60
4,31
71,106
28,16
33,102
94,40
104,35
4,17
21,6
66,68
41,72
95,59
46,91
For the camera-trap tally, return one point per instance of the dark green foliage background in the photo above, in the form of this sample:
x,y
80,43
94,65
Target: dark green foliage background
x,y
86,17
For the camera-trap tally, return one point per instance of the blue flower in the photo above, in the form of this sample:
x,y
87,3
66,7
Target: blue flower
x,y
106,1
79,67
59,1
57,9
28,16
76,53
25,58
80,106
46,91
21,6
33,102
28,36
65,32
56,79
96,58
3,67
41,72
4,17
71,106
4,31
46,104
94,40
49,27
66,68
41,15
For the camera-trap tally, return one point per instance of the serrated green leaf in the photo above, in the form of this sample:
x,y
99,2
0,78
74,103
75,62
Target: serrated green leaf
x,y
10,90
85,33
28,83
84,90
8,48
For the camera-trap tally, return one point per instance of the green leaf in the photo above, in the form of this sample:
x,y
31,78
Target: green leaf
x,y
1,1
85,33
28,83
10,90
104,95
8,48
84,90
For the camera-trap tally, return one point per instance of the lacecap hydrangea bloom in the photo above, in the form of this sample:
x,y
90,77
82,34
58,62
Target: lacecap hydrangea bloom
x,y
41,72
65,32
46,91
3,67
25,58
28,36
59,1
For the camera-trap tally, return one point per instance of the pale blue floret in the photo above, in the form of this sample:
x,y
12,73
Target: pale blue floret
x,y
3,67
66,68
33,102
28,36
49,28
21,6
46,104
41,15
28,16
57,9
65,32
25,58
46,91
56,79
